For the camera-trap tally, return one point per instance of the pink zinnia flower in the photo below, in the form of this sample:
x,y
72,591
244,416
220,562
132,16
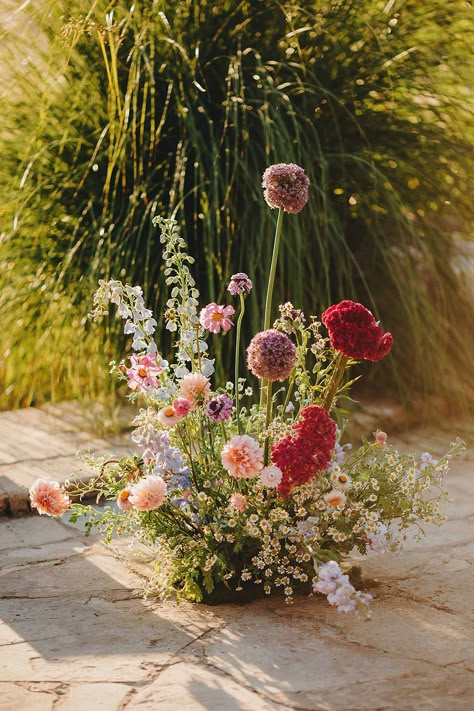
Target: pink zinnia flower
x,y
242,456
336,497
123,500
238,502
49,498
214,317
143,373
286,186
354,331
271,476
195,388
271,355
239,284
182,406
149,493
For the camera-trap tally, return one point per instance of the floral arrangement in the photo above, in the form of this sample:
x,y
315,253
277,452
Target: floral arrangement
x,y
238,493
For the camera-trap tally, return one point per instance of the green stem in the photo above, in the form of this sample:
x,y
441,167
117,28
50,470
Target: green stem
x,y
268,419
335,382
237,355
270,285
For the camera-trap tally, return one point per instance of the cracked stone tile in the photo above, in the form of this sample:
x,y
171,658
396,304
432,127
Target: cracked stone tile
x,y
198,688
40,697
97,696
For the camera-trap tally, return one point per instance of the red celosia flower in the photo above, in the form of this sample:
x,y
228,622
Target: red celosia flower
x,y
302,455
354,331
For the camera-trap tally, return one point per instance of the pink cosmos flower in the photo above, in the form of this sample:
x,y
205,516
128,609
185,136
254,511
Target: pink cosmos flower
x,y
49,498
143,373
214,317
286,186
242,456
148,494
238,502
123,500
195,388
336,497
271,476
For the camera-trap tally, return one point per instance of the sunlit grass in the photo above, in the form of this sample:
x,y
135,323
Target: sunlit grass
x,y
177,108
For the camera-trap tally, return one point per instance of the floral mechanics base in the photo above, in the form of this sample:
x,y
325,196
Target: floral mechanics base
x,y
242,490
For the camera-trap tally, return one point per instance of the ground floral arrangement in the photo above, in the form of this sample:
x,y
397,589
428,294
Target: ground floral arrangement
x,y
239,490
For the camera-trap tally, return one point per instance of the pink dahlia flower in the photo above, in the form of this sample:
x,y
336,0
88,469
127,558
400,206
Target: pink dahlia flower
x,y
143,373
214,317
354,331
286,185
49,498
239,284
182,406
242,456
195,388
238,502
123,500
271,355
149,493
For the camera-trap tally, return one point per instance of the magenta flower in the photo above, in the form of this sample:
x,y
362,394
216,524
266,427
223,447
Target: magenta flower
x,y
271,355
143,373
219,408
49,498
214,317
239,284
286,186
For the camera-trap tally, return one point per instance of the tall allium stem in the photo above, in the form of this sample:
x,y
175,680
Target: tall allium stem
x,y
271,276
268,301
335,382
237,356
268,419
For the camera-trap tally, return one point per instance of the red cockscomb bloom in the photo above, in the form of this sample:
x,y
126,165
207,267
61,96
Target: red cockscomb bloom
x,y
302,455
354,331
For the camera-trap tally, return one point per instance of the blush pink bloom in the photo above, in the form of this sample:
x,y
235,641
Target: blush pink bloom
x,y
168,416
49,498
238,502
195,388
148,494
123,500
271,476
214,317
143,373
381,439
242,456
336,497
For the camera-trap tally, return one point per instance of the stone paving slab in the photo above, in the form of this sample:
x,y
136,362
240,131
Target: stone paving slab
x,y
43,443
75,630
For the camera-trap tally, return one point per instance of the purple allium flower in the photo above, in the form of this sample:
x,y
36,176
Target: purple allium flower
x,y
239,284
219,408
271,355
286,185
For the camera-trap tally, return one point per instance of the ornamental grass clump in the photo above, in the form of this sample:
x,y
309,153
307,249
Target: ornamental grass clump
x,y
240,491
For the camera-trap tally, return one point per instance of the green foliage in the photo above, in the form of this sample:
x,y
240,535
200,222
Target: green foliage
x,y
176,109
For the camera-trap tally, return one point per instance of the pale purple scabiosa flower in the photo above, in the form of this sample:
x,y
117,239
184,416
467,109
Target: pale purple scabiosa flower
x,y
219,408
239,284
271,355
214,317
286,186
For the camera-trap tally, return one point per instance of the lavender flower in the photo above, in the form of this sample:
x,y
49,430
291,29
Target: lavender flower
x,y
239,284
271,355
219,408
286,186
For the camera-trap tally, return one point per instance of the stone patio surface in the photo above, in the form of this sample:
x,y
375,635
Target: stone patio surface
x,y
76,634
